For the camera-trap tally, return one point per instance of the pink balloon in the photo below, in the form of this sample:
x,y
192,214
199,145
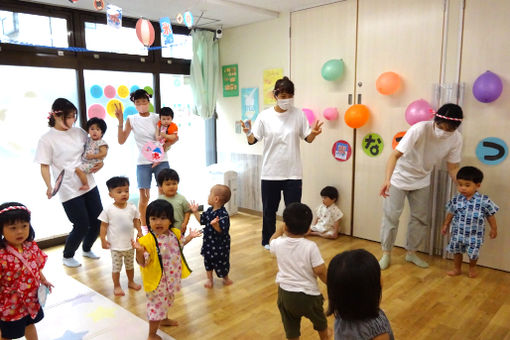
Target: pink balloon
x,y
331,113
418,111
310,116
97,110
109,91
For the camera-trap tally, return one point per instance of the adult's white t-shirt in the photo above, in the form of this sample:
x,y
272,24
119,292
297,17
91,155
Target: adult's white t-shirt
x,y
144,131
296,259
422,150
282,134
62,150
120,225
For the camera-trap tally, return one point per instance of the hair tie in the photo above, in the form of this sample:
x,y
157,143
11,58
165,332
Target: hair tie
x,y
14,207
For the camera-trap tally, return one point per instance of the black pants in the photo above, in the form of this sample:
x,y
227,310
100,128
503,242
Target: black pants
x,y
83,211
271,195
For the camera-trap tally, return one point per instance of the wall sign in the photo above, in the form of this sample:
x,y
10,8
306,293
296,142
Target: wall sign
x,y
249,103
372,144
491,150
230,81
341,150
397,138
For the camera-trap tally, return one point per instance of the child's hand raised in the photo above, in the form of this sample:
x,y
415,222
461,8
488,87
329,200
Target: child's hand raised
x,y
193,206
215,222
194,233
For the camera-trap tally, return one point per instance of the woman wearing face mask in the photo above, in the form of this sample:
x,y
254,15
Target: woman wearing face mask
x,y
408,170
144,126
282,128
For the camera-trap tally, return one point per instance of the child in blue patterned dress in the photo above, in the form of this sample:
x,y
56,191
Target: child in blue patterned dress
x,y
216,242
466,213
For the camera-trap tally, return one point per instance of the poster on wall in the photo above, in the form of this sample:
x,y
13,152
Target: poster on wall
x,y
230,80
270,77
167,34
250,103
341,150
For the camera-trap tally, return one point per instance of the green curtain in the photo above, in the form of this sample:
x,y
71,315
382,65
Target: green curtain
x,y
204,73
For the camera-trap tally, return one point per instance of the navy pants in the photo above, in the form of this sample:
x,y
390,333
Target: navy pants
x,y
83,211
271,195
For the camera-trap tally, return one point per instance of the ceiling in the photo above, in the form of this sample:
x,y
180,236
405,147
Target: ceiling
x,y
207,13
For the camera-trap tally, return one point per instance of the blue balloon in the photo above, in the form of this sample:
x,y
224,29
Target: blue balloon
x,y
96,91
134,88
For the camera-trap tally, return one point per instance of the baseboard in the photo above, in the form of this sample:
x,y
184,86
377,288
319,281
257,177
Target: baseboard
x,y
256,213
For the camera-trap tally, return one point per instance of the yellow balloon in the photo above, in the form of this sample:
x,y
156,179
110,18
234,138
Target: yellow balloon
x,y
123,91
110,107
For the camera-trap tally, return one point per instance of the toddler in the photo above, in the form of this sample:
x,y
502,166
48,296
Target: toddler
x,y
166,131
216,242
299,264
328,217
466,213
354,294
21,264
162,263
168,183
95,150
117,224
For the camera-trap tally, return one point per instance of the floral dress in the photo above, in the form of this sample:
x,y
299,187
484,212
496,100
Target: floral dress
x,y
162,298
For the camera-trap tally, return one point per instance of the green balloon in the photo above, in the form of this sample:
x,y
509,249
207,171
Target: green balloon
x,y
332,69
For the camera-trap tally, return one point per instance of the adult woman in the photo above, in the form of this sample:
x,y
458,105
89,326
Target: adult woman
x,y
282,127
61,149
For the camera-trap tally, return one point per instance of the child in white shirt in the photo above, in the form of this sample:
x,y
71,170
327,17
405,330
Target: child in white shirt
x,y
328,218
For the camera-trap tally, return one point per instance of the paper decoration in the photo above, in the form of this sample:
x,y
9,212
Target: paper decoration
x,y
96,110
114,16
109,91
341,150
179,18
270,77
230,81
98,5
166,31
372,144
145,32
188,19
491,151
250,103
397,138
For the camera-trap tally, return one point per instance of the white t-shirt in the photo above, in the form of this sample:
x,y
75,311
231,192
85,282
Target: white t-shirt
x,y
144,130
62,150
327,216
282,133
296,259
421,151
120,225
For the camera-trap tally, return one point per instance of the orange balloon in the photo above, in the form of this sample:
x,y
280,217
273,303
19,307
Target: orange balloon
x,y
387,83
357,115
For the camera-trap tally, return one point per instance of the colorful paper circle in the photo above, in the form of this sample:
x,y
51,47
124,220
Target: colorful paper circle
x,y
110,107
491,150
341,150
109,91
129,110
123,91
153,151
372,144
99,5
96,91
96,110
396,139
151,107
134,88
149,90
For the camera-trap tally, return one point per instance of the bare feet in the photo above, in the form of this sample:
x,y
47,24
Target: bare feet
x,y
472,273
84,187
454,272
154,337
208,284
227,281
134,285
117,291
169,322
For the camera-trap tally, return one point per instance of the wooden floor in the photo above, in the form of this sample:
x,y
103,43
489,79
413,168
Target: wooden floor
x,y
420,303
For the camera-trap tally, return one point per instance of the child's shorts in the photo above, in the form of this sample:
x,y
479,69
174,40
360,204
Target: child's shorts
x,y
118,255
469,246
294,305
16,329
144,173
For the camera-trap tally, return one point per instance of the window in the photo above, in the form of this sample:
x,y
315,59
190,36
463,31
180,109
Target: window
x,y
23,29
103,38
181,48
23,119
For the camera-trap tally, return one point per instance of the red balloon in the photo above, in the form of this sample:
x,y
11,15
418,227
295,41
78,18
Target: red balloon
x,y
357,115
145,32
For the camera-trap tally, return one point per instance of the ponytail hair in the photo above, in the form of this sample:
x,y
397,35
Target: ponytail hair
x,y
140,94
61,108
284,85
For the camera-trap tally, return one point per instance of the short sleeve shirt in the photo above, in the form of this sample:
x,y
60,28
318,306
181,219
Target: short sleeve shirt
x,y
120,225
181,207
327,216
363,329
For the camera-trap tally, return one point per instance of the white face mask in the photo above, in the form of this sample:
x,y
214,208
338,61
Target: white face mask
x,y
285,104
142,108
441,134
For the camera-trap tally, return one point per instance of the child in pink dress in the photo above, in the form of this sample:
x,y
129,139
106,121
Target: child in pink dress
x,y
161,263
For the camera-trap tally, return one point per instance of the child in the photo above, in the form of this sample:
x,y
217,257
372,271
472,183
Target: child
x,y
159,255
354,295
21,262
168,182
467,210
299,264
117,223
166,131
328,215
408,175
143,126
95,150
216,242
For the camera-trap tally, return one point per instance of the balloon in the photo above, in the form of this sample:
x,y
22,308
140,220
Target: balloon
x,y
331,113
487,87
145,32
357,115
387,83
310,116
418,111
332,69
